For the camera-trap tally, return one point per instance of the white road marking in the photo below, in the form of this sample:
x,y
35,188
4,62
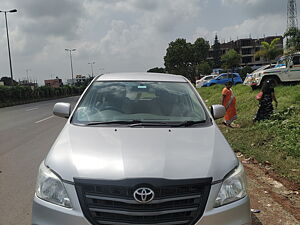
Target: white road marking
x,y
27,110
44,119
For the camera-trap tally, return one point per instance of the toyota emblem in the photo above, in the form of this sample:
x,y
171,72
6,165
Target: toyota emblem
x,y
143,195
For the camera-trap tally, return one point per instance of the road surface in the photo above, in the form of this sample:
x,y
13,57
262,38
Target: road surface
x,y
27,133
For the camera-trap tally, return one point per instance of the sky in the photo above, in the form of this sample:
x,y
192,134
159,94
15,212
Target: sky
x,y
122,35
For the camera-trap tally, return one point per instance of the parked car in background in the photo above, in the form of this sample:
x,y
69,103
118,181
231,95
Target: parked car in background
x,y
204,79
141,148
223,78
287,70
249,77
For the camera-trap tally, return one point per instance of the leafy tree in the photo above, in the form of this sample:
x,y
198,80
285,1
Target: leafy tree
x,y
179,57
293,39
200,50
244,71
269,51
183,57
157,70
204,68
7,81
231,59
217,53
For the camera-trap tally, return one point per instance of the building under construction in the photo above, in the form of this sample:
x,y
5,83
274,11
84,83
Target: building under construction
x,y
247,47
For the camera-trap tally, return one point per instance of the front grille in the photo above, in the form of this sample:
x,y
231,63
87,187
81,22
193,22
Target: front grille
x,y
176,202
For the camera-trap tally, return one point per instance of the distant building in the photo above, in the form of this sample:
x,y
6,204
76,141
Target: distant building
x,y
247,47
28,83
77,79
55,83
1,83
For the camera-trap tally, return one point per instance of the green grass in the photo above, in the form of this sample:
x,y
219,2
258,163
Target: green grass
x,y
276,140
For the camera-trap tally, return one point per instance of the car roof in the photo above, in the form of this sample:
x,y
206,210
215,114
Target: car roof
x,y
142,76
229,73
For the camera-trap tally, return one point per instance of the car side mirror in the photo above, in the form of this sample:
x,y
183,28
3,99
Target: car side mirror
x,y
217,111
62,109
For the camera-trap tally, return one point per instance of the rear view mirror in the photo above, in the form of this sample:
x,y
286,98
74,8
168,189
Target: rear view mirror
x,y
62,109
217,111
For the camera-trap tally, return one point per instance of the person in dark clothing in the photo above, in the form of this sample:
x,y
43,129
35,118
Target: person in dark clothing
x,y
265,102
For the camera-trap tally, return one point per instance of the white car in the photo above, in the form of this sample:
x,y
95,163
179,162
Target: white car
x,y
141,149
203,80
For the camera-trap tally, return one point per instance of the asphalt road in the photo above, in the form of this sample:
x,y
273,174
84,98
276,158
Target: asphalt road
x,y
26,135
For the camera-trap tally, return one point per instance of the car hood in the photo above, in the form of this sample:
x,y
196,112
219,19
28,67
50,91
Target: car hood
x,y
119,153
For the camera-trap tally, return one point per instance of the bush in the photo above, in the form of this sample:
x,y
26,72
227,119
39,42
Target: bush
x,y
22,94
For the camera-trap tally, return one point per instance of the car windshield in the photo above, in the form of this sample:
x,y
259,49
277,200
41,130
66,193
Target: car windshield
x,y
132,101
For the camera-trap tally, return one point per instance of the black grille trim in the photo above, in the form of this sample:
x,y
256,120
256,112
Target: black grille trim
x,y
176,202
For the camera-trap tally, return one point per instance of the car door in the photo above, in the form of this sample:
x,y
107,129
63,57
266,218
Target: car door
x,y
223,79
294,74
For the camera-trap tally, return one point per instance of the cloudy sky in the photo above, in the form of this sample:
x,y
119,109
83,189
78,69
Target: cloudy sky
x,y
122,35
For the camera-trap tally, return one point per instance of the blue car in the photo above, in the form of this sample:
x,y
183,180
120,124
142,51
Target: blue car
x,y
223,78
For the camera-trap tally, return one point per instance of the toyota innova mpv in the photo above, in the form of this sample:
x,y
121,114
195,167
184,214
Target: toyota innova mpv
x,y
140,148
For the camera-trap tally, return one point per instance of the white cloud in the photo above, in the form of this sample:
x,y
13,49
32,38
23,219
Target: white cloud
x,y
248,2
121,35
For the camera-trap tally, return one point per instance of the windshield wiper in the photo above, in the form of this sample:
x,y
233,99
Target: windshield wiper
x,y
189,123
113,122
149,123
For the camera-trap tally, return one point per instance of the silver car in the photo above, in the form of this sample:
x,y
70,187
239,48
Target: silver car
x,y
140,148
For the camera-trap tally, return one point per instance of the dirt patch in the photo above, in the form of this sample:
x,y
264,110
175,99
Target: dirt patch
x,y
277,199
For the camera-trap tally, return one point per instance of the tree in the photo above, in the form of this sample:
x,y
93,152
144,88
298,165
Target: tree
x,y
269,51
293,39
7,81
200,51
157,70
179,57
231,60
217,53
204,68
183,57
245,71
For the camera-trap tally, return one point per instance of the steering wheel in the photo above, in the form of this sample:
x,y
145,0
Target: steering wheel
x,y
111,108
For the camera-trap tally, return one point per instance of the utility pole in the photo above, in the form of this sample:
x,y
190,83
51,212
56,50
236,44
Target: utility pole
x,y
292,20
70,51
8,45
27,70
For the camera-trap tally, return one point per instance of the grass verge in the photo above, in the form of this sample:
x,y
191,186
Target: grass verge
x,y
275,141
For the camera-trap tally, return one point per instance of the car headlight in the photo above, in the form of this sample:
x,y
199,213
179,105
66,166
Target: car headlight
x,y
50,188
233,187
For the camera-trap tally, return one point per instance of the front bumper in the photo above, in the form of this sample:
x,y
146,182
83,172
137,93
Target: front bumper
x,y
45,213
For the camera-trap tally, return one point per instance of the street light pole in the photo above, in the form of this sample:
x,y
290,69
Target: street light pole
x,y
91,63
8,45
27,70
70,51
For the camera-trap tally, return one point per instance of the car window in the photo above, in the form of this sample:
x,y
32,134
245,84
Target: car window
x,y
296,60
143,101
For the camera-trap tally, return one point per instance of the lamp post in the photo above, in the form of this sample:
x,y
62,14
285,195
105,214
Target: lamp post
x,y
8,45
70,51
91,63
27,70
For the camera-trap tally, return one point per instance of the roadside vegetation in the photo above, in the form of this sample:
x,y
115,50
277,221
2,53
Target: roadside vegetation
x,y
14,95
274,143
